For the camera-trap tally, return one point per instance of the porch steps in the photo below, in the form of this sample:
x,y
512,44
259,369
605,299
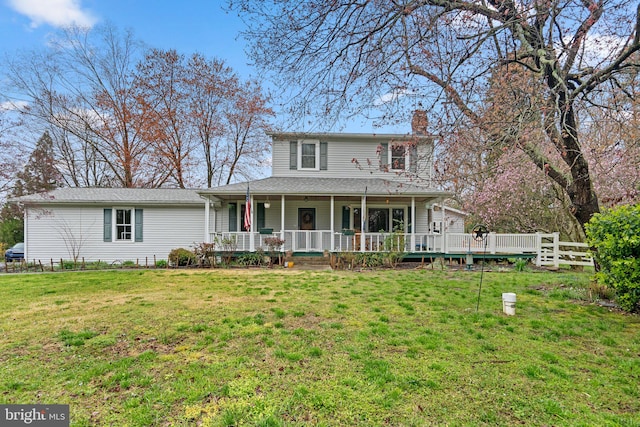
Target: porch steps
x,y
310,260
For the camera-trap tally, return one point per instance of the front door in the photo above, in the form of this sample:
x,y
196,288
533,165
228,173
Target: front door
x,y
307,218
307,239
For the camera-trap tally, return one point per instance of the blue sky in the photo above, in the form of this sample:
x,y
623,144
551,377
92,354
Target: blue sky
x,y
189,26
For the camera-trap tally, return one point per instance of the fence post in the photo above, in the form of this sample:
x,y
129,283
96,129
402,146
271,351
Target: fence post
x,y
556,249
445,246
493,239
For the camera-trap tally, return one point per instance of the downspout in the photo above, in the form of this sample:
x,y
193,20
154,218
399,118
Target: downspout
x,y
25,230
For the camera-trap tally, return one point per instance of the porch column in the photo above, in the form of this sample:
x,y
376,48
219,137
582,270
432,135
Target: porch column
x,y
215,223
252,244
414,221
333,237
363,210
282,217
207,212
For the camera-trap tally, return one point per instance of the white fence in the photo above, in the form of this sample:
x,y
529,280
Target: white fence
x,y
546,248
555,253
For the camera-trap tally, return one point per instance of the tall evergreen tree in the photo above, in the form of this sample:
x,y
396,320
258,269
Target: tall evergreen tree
x,y
39,175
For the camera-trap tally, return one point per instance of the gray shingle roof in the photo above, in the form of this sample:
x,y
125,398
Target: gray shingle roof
x,y
325,187
114,195
267,186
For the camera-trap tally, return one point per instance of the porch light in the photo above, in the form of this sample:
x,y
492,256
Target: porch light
x,y
267,203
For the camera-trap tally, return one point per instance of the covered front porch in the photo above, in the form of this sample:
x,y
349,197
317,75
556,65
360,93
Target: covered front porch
x,y
317,215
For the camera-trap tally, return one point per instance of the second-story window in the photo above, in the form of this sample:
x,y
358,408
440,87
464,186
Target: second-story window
x,y
398,157
308,154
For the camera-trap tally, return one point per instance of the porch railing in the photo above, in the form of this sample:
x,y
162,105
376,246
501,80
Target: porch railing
x,y
547,247
321,240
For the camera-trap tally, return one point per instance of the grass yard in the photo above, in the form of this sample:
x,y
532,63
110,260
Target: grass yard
x,y
287,347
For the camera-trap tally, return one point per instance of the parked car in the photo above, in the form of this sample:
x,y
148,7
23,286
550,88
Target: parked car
x,y
15,253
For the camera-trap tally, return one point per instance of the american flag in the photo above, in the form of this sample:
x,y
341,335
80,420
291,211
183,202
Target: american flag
x,y
247,211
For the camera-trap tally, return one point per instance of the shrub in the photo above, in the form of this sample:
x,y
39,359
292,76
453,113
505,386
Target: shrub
x,y
520,265
181,257
274,243
205,253
68,265
369,259
161,263
251,258
614,236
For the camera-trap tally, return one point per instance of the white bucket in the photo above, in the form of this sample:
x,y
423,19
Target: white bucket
x,y
509,303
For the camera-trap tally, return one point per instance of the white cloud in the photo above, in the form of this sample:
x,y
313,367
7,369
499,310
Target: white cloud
x,y
58,13
392,96
13,106
596,49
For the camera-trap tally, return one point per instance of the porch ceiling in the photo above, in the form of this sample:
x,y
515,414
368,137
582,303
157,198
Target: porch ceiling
x,y
377,188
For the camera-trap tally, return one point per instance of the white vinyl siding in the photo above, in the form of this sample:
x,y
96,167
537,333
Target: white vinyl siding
x,y
357,159
53,232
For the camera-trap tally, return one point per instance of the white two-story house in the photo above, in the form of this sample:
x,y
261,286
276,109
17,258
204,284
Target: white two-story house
x,y
337,192
328,192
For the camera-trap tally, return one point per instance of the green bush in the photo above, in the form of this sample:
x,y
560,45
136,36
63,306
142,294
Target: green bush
x,y
12,231
161,263
369,259
181,257
520,265
251,258
614,236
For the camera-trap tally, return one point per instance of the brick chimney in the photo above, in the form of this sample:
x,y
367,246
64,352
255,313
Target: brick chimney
x,y
419,122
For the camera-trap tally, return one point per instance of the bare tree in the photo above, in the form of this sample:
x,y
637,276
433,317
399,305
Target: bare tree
x,y
10,152
246,120
343,56
74,238
161,85
83,85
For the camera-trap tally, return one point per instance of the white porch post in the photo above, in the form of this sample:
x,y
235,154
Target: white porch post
x,y
207,212
252,243
413,225
333,237
282,218
363,209
215,224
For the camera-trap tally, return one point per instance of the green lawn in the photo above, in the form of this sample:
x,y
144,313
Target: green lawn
x,y
287,347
